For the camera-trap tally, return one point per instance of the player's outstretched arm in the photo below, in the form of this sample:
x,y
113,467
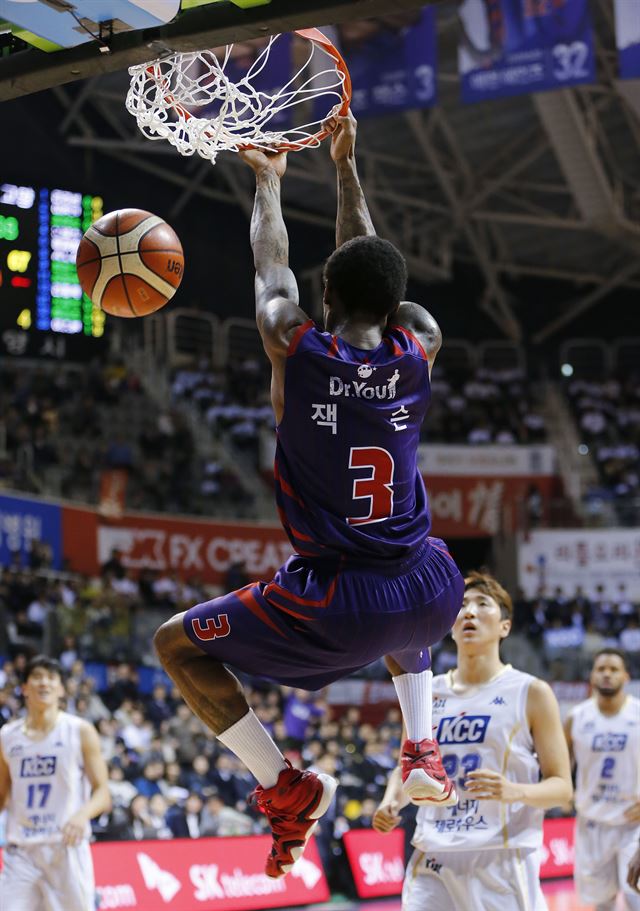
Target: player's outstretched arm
x,y
353,219
5,780
95,769
555,789
277,311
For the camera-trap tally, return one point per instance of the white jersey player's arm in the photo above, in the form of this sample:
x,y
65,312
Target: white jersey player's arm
x,y
5,780
568,736
386,816
95,768
555,788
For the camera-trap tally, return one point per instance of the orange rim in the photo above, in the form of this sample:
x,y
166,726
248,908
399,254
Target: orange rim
x,y
315,36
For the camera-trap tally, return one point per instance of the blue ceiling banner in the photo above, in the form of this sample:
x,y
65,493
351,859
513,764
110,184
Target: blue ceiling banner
x,y
515,47
392,61
628,37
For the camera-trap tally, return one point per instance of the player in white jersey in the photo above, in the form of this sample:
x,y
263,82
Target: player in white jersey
x,y
53,780
501,740
603,734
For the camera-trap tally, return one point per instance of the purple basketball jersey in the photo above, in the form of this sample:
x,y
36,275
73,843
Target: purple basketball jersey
x,y
347,480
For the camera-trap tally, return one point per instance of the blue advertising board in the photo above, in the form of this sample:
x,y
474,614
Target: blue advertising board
x,y
392,62
628,37
513,47
23,521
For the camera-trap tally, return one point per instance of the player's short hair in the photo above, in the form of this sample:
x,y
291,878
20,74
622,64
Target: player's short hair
x,y
610,651
489,586
368,275
43,661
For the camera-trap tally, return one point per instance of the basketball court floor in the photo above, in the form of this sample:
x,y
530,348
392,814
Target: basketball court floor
x,y
560,896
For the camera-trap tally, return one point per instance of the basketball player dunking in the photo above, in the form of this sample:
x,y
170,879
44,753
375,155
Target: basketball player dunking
x,y
54,779
365,579
603,734
500,732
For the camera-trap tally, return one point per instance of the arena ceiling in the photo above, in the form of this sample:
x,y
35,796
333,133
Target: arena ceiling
x,y
543,185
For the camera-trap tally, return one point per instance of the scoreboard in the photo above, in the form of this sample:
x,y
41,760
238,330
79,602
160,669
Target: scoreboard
x,y
43,310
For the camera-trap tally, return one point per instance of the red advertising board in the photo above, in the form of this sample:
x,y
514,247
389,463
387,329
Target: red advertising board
x,y
190,547
207,874
480,507
558,848
376,861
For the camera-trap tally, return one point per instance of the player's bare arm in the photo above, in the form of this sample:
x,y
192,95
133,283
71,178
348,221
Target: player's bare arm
x,y
277,312
568,736
386,817
555,788
5,781
95,769
353,218
633,875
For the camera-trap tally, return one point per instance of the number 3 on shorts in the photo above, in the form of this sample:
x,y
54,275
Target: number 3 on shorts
x,y
378,487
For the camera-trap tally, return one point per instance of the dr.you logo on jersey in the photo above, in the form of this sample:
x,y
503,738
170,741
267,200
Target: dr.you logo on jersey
x,y
463,729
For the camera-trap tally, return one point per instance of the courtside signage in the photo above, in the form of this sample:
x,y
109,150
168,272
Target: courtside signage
x,y
205,874
376,861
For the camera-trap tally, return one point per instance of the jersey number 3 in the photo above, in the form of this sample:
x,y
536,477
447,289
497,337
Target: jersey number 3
x,y
378,487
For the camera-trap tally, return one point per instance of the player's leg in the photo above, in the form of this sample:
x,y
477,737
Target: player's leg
x,y
627,837
228,631
68,880
423,774
423,889
20,881
595,871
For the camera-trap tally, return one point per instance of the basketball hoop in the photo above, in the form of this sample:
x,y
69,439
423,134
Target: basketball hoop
x,y
190,100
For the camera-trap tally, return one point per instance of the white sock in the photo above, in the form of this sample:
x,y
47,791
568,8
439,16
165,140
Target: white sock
x,y
414,696
251,743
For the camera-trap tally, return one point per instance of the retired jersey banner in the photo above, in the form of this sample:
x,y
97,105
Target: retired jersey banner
x,y
628,37
392,61
513,47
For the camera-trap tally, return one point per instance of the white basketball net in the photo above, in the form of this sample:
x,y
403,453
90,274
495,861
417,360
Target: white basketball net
x,y
190,100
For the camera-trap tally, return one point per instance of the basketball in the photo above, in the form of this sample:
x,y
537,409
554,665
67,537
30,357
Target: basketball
x,y
130,263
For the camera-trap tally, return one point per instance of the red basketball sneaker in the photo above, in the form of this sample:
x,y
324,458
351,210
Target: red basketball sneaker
x,y
293,807
424,779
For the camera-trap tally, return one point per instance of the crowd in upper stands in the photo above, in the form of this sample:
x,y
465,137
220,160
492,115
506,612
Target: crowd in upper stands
x,y
62,427
607,412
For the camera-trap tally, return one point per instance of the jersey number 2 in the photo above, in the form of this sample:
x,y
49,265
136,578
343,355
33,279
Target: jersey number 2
x,y
378,487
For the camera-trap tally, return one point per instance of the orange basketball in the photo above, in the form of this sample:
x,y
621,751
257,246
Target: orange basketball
x,y
130,262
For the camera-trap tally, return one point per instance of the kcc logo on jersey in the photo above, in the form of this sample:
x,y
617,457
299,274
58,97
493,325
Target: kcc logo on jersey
x,y
462,729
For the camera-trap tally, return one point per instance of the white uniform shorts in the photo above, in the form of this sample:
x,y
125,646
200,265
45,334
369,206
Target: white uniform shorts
x,y
47,878
474,881
602,862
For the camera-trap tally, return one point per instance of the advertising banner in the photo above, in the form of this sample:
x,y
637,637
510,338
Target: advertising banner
x,y
376,861
23,521
627,14
486,461
187,546
558,848
392,61
513,47
206,874
581,557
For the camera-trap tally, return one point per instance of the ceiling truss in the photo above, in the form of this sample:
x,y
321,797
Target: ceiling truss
x,y
490,185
